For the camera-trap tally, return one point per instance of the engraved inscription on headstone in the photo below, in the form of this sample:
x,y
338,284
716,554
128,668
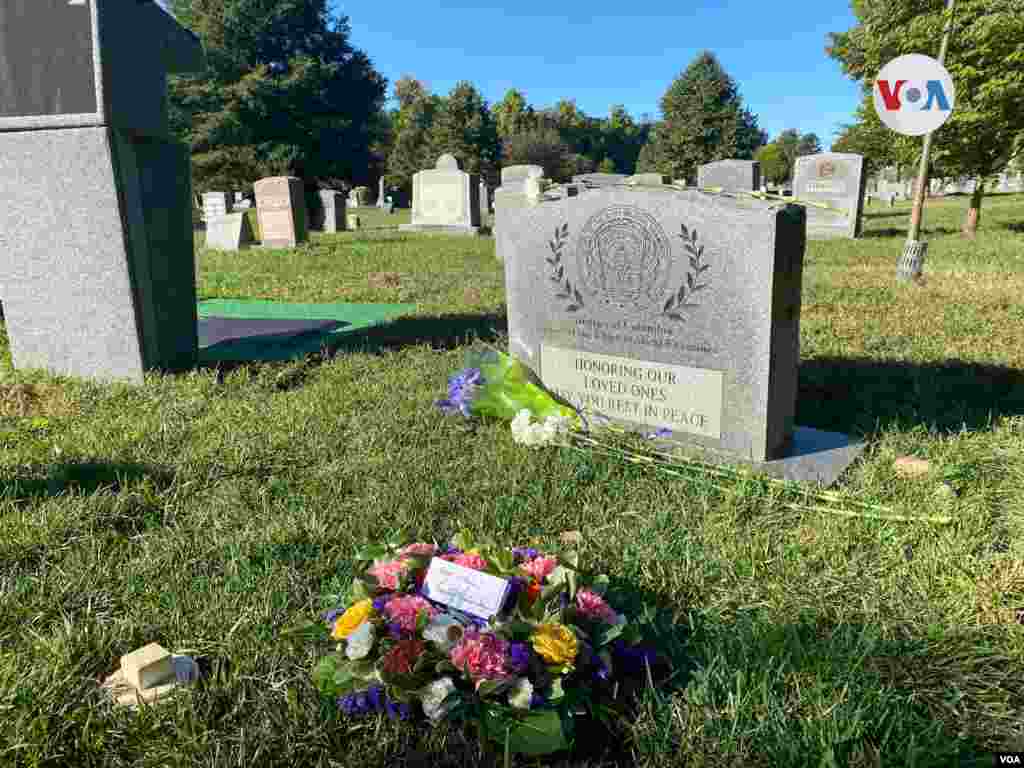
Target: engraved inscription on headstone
x,y
281,209
838,181
445,199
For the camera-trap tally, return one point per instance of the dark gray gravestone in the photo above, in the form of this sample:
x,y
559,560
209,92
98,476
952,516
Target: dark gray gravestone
x,y
836,179
98,278
742,175
659,307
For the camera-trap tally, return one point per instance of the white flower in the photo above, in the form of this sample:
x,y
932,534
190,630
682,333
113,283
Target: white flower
x,y
521,693
359,643
443,630
535,435
432,697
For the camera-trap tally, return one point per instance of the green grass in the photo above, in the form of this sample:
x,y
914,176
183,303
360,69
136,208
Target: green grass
x,y
209,511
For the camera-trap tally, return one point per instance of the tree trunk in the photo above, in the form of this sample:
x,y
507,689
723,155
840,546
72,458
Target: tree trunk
x,y
974,212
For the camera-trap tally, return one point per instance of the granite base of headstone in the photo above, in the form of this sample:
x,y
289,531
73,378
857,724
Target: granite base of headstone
x,y
666,308
445,200
229,233
837,180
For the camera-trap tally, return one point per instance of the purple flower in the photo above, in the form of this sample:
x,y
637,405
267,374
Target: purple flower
x,y
397,710
524,553
520,655
331,615
450,550
537,700
462,389
380,602
515,586
633,659
660,432
362,702
395,630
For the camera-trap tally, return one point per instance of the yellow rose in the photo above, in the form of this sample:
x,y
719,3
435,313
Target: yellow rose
x,y
555,643
351,619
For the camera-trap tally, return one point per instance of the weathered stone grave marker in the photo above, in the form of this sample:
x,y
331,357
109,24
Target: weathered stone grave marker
x,y
660,307
281,208
98,269
445,200
838,180
332,211
738,175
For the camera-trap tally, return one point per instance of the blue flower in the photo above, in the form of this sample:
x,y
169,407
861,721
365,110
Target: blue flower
x,y
462,390
520,654
362,702
660,433
331,615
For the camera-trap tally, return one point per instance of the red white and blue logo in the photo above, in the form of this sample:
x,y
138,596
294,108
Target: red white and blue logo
x,y
914,94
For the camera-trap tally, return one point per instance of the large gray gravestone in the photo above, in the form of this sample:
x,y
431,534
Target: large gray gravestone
x,y
332,213
836,179
229,232
281,209
509,197
445,200
660,307
736,175
98,269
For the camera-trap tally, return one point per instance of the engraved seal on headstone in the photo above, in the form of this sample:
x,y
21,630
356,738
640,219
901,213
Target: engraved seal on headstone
x,y
623,258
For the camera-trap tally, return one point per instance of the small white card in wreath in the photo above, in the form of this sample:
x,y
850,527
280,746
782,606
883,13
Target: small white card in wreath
x,y
464,589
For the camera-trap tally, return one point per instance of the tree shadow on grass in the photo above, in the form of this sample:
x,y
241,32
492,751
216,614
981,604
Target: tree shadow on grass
x,y
897,231
857,395
87,476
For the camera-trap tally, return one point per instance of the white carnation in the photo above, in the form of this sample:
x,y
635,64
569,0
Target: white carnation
x,y
444,631
360,642
534,435
521,693
432,697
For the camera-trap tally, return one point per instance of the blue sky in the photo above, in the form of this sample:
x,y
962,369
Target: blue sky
x,y
603,53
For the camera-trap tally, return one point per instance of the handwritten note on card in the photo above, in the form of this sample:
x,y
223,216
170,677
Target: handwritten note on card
x,y
464,589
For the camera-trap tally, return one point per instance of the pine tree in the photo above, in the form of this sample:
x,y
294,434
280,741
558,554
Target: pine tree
x,y
410,150
464,127
704,120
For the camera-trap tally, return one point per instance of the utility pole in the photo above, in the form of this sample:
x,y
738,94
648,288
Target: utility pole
x,y
912,261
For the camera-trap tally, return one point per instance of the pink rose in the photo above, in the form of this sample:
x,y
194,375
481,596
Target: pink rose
x,y
592,606
482,654
476,562
388,574
540,567
404,611
419,549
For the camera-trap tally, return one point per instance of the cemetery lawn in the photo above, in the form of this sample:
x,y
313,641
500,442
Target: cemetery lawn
x,y
210,511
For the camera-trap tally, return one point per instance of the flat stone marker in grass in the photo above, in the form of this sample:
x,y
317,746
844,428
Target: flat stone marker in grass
x,y
281,208
661,307
229,233
96,230
445,200
836,179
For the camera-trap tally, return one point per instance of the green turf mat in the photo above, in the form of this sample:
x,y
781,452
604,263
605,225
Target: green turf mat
x,y
235,330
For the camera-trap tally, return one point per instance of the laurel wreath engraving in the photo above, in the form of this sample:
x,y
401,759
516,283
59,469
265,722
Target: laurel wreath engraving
x,y
566,290
681,299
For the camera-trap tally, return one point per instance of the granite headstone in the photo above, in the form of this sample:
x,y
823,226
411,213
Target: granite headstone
x,y
600,179
730,175
216,204
445,200
281,209
98,274
229,232
665,308
836,179
332,211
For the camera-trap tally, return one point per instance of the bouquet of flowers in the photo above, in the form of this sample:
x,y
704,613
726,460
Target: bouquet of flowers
x,y
555,649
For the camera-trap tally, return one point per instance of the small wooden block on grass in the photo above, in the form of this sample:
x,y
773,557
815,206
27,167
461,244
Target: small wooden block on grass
x,y
910,466
147,667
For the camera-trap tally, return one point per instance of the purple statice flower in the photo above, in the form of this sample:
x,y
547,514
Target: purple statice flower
x,y
362,702
462,389
660,433
515,587
537,700
524,553
330,616
450,550
380,602
633,659
564,600
599,668
395,630
397,710
519,653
